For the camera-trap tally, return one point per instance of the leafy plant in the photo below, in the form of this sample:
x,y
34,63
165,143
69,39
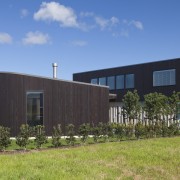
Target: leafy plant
x,y
119,131
84,130
139,130
22,139
40,137
4,137
56,135
70,134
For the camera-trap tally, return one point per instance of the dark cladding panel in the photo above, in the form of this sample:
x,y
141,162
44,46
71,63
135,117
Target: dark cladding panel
x,y
64,102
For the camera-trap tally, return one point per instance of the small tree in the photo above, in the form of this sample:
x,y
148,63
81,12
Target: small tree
x,y
70,134
131,105
4,137
56,136
84,130
40,137
22,139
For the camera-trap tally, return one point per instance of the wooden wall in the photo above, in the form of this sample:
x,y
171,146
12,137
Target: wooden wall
x,y
64,102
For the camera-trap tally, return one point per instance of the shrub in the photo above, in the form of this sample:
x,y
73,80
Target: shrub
x,y
22,139
165,129
84,130
110,130
4,137
95,132
70,134
157,129
149,131
129,129
40,137
139,130
56,136
119,131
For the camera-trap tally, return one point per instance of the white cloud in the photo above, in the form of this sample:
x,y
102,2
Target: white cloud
x,y
54,11
86,14
106,23
36,38
5,38
114,20
79,43
24,13
103,23
137,24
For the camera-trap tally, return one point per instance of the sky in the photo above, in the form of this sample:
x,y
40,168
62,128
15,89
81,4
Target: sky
x,y
85,35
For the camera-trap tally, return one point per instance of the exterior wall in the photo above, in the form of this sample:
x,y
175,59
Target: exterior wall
x,y
143,77
64,102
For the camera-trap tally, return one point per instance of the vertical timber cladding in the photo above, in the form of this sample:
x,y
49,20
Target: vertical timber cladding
x,y
64,102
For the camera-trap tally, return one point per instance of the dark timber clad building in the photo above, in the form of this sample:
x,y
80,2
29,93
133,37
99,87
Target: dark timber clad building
x,y
48,102
161,76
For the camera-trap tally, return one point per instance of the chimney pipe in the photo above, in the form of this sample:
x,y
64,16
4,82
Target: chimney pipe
x,y
54,65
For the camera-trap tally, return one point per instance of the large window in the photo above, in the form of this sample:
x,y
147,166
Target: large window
x,y
94,81
164,78
120,82
34,108
129,81
102,81
111,82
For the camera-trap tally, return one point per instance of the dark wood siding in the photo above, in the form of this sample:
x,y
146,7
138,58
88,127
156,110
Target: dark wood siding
x,y
143,77
64,102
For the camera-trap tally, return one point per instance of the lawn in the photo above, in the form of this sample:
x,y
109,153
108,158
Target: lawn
x,y
142,159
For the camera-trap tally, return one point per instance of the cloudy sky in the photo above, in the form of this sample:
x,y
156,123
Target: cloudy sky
x,y
84,35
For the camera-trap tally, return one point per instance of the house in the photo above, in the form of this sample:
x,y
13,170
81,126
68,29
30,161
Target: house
x,y
161,76
48,101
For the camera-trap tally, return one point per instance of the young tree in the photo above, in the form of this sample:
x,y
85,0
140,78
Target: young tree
x,y
173,105
84,130
4,137
40,136
22,139
56,136
131,105
70,134
154,106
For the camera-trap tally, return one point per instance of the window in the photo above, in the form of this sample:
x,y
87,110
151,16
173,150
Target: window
x,y
164,78
120,82
129,81
34,108
94,81
102,81
111,82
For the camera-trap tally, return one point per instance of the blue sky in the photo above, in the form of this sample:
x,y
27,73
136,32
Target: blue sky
x,y
84,35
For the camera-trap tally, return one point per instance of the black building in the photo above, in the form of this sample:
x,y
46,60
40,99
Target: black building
x,y
46,101
161,76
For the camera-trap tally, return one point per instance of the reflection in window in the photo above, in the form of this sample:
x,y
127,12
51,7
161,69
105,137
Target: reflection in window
x,y
120,82
94,81
164,78
34,108
129,81
111,82
102,81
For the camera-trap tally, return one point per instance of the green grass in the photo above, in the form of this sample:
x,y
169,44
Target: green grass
x,y
143,159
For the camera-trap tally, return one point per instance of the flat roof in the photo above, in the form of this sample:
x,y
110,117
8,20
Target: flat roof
x,y
43,77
